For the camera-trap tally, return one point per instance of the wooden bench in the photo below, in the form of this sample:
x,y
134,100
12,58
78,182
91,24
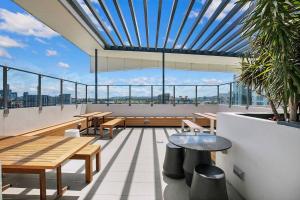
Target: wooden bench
x,y
87,154
110,125
193,126
57,130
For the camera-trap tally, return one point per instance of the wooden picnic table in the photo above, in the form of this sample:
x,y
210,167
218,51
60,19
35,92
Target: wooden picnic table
x,y
97,119
89,117
212,117
36,154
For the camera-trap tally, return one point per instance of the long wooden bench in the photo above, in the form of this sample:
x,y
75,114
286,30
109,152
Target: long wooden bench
x,y
87,154
112,124
193,126
162,121
59,129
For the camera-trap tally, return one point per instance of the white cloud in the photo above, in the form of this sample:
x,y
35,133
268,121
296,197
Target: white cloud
x,y
8,42
4,54
51,52
211,81
194,14
63,65
24,24
41,40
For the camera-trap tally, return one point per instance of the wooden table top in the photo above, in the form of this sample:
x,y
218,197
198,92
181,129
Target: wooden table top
x,y
88,114
207,115
103,114
34,152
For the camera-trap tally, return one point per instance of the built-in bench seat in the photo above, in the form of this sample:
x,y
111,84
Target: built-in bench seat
x,y
192,126
112,124
87,154
59,129
160,121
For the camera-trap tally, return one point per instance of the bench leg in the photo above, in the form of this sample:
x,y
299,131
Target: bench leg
x,y
212,126
42,175
182,126
111,132
98,162
59,182
88,170
101,131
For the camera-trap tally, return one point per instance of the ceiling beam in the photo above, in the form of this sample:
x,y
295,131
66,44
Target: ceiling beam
x,y
133,17
110,19
158,22
212,19
229,16
146,21
169,26
99,20
186,15
122,19
197,21
78,9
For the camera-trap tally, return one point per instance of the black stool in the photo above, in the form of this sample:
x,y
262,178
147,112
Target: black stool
x,y
208,184
173,161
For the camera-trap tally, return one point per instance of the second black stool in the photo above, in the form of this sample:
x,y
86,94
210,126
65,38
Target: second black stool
x,y
173,163
208,183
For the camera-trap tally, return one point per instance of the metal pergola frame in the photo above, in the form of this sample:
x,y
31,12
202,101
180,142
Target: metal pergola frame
x,y
211,39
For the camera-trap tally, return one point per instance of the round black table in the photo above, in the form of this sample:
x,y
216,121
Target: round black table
x,y
197,150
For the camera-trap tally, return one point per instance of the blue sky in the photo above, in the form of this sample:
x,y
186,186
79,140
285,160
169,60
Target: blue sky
x,y
28,44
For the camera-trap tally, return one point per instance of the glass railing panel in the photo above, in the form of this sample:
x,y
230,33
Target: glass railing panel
x,y
102,94
224,94
239,94
141,94
22,89
50,91
1,88
80,93
207,94
157,94
68,93
91,94
185,94
169,94
258,100
119,94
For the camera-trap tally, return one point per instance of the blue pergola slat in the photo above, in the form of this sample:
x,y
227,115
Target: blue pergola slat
x,y
146,21
239,46
232,44
133,17
214,16
110,19
173,10
100,21
229,16
122,19
158,22
199,17
232,37
186,15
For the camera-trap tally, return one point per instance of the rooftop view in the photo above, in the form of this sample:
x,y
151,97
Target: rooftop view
x,y
152,99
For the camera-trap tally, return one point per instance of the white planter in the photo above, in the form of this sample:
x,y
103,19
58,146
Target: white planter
x,y
266,152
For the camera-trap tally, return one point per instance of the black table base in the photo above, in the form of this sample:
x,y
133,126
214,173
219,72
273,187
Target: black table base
x,y
191,160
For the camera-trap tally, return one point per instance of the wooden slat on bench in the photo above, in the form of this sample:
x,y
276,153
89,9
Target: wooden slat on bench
x,y
111,124
192,125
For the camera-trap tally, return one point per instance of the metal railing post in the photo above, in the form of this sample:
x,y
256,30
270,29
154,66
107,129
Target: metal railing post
x,y
230,95
174,98
196,95
61,93
76,93
39,92
86,94
218,93
151,95
107,95
129,100
5,90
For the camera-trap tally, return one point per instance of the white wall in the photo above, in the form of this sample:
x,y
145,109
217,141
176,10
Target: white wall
x,y
268,154
25,119
234,108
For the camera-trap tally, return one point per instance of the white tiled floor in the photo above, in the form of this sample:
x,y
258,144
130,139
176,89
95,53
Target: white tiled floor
x,y
131,168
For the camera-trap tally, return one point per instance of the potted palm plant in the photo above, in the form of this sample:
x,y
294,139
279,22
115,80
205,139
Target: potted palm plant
x,y
272,65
